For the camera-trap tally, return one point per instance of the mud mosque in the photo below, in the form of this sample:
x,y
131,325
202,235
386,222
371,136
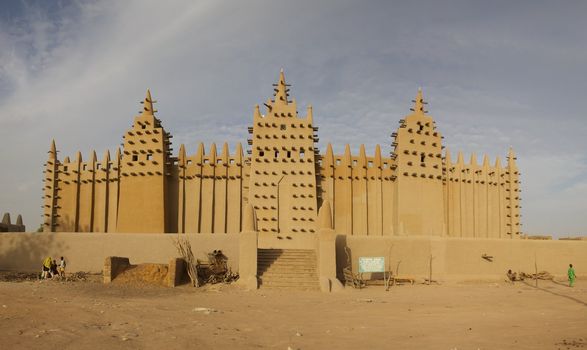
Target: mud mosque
x,y
415,187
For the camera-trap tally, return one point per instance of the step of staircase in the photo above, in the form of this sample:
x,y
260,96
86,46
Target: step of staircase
x,y
287,269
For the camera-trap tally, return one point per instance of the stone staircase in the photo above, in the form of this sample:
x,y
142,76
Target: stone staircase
x,y
287,269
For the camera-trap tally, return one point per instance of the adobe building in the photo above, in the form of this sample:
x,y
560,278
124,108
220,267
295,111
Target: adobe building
x,y
7,226
412,188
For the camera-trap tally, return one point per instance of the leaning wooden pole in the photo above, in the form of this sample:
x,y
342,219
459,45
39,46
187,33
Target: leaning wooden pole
x,y
535,271
430,271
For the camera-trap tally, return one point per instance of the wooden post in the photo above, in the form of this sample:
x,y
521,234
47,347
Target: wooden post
x,y
390,272
430,275
535,271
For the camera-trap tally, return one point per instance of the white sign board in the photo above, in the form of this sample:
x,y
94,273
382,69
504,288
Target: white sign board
x,y
371,264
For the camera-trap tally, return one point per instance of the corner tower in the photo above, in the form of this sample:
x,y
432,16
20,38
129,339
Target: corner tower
x,y
144,169
419,197
50,189
282,186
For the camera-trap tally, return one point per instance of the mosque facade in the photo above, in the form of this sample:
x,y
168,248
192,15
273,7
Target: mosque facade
x,y
416,188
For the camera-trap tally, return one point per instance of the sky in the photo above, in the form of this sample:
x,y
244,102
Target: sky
x,y
495,73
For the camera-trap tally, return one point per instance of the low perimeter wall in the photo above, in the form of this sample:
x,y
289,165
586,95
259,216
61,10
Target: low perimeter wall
x,y
453,258
87,251
461,258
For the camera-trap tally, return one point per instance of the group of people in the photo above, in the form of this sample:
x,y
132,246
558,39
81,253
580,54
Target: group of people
x,y
512,276
51,269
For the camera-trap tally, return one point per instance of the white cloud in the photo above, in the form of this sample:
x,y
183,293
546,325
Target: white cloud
x,y
76,73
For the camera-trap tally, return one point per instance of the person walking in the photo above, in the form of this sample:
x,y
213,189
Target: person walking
x,y
46,267
571,275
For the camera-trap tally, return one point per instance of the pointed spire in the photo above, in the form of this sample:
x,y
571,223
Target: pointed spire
x,y
347,155
511,159
66,160
212,155
256,113
497,163
200,154
460,159
53,150
181,156
328,161
6,219
78,157
378,162
473,159
19,220
329,154
225,153
94,157
419,103
485,161
447,158
118,156
362,156
148,104
325,215
310,115
106,159
281,95
238,154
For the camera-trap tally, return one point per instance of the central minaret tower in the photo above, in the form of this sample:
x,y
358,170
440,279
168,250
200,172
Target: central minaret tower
x,y
419,198
144,170
283,173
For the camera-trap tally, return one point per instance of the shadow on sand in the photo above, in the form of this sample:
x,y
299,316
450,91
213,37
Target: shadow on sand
x,y
530,283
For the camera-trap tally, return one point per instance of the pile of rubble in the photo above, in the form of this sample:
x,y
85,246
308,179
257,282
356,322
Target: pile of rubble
x,y
216,270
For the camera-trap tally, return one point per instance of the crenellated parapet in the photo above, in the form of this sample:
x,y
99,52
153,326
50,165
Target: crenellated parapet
x,y
84,194
360,188
479,197
210,190
419,189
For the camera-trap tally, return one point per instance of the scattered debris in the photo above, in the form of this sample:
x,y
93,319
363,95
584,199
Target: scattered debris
x,y
216,270
487,257
13,276
77,277
573,343
542,275
365,300
10,276
205,310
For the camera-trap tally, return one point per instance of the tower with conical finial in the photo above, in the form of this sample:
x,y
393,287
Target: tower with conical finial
x,y
419,195
50,190
415,191
512,175
145,174
283,172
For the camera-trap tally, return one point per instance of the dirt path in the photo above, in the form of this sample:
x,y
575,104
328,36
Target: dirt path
x,y
89,315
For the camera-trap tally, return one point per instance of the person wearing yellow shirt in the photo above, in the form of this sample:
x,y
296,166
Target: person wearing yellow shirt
x,y
46,266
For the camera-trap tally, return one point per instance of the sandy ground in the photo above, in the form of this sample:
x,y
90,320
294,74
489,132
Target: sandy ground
x,y
482,315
